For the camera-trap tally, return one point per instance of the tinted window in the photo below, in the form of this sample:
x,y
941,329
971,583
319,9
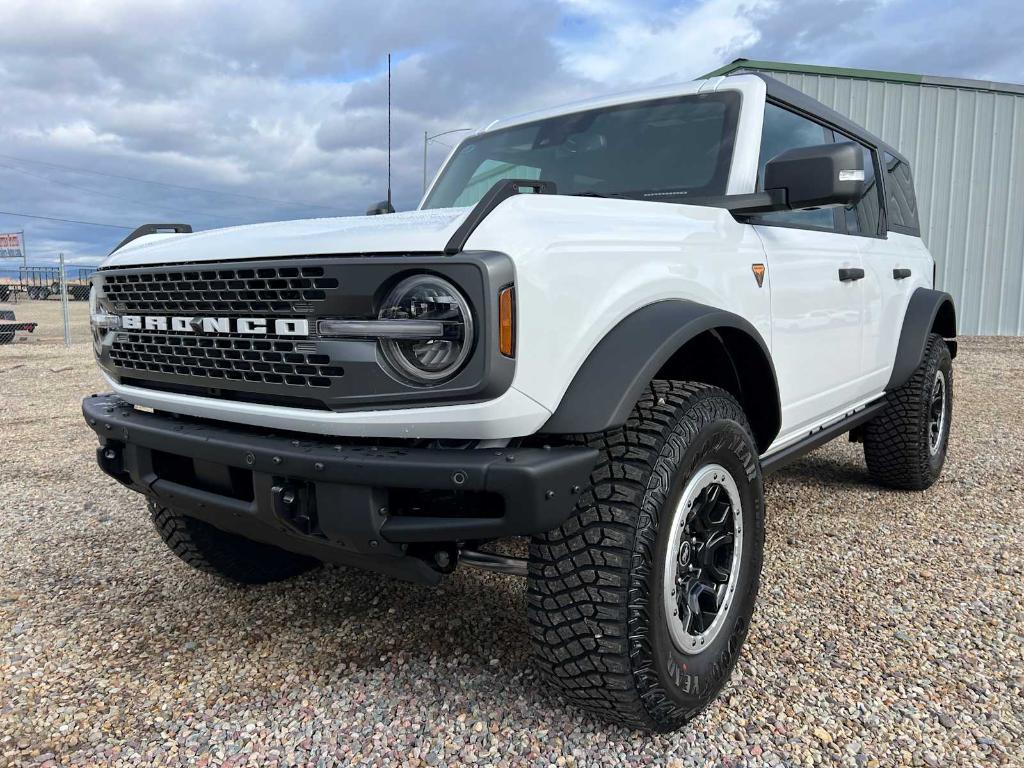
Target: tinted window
x,y
786,130
900,202
659,150
863,218
488,172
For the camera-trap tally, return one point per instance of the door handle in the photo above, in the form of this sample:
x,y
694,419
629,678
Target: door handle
x,y
848,274
900,274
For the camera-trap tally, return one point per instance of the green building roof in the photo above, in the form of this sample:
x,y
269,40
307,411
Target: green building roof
x,y
864,74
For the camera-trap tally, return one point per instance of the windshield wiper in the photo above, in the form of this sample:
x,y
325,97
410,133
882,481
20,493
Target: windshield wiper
x,y
592,193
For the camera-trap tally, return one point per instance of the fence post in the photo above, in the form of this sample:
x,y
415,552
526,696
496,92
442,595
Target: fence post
x,y
64,303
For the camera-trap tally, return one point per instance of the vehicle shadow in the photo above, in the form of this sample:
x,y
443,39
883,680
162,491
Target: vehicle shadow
x,y
828,470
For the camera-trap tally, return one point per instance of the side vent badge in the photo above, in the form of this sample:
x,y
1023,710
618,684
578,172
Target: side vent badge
x,y
758,273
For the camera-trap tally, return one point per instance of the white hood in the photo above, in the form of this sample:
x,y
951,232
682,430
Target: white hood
x,y
409,232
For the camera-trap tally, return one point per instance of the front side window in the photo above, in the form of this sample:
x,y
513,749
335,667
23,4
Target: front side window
x,y
664,150
784,130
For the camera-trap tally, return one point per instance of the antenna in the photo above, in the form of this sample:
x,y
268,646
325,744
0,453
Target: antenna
x,y
389,133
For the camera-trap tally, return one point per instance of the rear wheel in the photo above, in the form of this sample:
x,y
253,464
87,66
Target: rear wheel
x,y
905,445
639,603
214,551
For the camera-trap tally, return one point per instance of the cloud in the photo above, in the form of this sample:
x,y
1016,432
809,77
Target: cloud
x,y
672,43
280,101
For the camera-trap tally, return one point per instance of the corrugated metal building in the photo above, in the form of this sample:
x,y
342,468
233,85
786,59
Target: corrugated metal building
x,y
965,142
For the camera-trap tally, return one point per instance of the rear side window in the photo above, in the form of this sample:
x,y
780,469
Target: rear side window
x,y
785,130
900,202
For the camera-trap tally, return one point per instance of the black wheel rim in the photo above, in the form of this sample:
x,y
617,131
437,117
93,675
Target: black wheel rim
x,y
937,412
703,558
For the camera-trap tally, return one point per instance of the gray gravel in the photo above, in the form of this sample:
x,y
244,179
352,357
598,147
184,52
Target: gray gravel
x,y
889,631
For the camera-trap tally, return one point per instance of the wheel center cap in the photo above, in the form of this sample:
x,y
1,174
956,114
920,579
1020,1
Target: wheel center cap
x,y
685,553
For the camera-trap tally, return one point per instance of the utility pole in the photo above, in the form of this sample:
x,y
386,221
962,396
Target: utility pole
x,y
426,140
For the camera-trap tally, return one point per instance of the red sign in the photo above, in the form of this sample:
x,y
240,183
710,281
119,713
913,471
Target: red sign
x,y
11,246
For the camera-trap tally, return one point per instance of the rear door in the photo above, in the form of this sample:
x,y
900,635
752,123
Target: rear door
x,y
816,297
895,260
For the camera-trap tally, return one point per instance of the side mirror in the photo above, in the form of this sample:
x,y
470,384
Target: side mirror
x,y
384,206
819,176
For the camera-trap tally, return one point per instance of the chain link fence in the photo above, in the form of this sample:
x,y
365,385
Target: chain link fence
x,y
45,304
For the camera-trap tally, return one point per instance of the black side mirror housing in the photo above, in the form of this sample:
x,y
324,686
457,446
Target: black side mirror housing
x,y
384,206
819,176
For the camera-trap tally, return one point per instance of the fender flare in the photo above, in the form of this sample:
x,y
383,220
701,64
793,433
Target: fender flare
x,y
612,378
928,312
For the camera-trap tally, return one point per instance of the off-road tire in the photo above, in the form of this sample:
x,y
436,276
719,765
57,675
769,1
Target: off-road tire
x,y
224,554
897,442
595,595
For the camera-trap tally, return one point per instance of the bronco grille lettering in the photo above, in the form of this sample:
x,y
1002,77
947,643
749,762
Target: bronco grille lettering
x,y
243,325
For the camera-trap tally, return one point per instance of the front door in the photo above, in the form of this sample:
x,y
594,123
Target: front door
x,y
817,315
815,274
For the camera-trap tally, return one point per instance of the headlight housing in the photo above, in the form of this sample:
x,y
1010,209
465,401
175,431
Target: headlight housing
x,y
434,359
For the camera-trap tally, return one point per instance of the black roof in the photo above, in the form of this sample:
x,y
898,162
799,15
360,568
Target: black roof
x,y
779,91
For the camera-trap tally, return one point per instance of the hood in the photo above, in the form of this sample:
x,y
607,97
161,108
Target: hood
x,y
408,232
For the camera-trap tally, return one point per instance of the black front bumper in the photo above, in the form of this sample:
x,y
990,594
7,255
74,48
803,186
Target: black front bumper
x,y
375,507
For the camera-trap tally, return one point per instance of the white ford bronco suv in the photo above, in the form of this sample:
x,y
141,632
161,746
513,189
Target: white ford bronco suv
x,y
599,330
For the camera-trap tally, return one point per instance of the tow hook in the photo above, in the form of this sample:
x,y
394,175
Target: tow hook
x,y
293,506
111,460
446,558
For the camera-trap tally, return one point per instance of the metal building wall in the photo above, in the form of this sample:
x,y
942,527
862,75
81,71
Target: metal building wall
x,y
966,148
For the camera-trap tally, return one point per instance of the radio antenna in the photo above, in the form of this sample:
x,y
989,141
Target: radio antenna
x,y
389,133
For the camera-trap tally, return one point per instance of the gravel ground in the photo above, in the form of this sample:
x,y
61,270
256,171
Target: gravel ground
x,y
889,630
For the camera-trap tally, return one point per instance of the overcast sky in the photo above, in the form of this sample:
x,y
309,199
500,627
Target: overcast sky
x,y
260,110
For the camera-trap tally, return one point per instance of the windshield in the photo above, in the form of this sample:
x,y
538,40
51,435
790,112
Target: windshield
x,y
656,150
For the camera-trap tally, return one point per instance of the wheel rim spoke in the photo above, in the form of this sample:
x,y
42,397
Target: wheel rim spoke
x,y
716,557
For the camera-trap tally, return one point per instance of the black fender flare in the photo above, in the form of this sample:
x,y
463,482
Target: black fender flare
x,y
928,312
612,378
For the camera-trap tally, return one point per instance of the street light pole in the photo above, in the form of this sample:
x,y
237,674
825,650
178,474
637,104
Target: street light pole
x,y
426,140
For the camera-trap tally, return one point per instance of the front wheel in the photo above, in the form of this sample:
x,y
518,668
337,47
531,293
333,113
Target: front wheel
x,y
224,554
639,603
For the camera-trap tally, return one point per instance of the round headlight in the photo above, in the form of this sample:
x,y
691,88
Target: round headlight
x,y
437,357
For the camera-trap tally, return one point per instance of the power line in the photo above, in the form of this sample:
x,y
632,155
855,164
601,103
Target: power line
x,y
99,192
66,221
167,184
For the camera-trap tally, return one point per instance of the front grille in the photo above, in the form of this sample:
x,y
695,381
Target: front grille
x,y
230,361
265,361
258,289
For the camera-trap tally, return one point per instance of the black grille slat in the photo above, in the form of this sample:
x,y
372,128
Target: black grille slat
x,y
223,357
224,290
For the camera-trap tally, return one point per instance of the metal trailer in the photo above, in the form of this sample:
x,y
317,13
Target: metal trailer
x,y
42,283
11,330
